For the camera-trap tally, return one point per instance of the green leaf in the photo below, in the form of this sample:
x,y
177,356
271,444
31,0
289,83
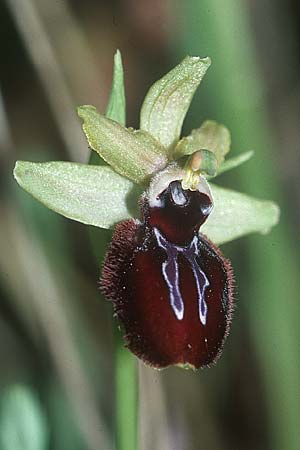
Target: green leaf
x,y
23,425
232,163
93,195
235,215
116,109
210,136
168,100
134,154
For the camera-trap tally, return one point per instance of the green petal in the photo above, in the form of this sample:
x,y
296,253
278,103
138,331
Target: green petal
x,y
168,100
22,422
232,163
94,195
210,136
132,153
235,215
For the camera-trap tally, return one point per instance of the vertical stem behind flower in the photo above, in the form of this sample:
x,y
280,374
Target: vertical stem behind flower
x,y
126,396
126,383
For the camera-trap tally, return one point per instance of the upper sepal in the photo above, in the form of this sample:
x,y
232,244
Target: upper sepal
x,y
168,100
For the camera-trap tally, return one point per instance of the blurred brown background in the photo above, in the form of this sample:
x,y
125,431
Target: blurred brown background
x,y
55,330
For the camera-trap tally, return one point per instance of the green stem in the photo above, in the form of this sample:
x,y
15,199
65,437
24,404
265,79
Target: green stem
x,y
126,396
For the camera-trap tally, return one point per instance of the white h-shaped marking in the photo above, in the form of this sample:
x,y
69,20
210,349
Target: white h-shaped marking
x,y
171,274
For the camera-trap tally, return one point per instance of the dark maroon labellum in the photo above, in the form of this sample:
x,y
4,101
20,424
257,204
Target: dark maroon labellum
x,y
171,287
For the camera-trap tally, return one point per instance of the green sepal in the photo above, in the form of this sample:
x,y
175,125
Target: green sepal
x,y
210,136
96,195
132,153
236,214
168,100
93,195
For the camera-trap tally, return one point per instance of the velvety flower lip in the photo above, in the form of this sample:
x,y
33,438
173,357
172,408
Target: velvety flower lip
x,y
172,289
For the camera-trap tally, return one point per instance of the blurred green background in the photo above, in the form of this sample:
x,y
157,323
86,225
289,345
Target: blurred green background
x,y
56,332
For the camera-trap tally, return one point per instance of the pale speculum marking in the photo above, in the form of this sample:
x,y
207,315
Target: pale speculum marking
x,y
170,272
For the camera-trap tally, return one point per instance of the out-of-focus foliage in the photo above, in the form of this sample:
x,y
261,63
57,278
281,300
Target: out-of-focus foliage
x,y
22,421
